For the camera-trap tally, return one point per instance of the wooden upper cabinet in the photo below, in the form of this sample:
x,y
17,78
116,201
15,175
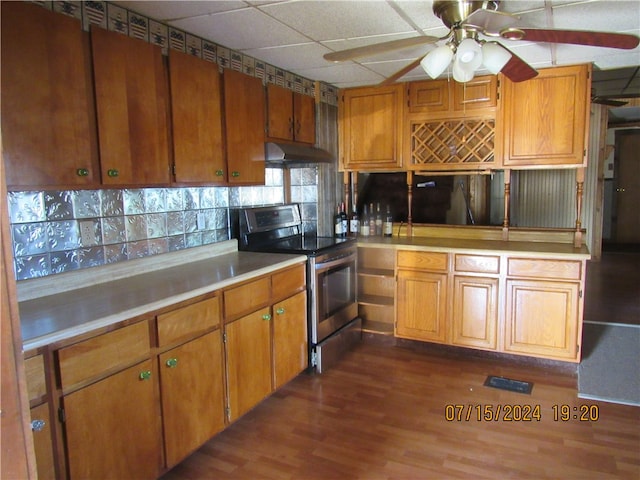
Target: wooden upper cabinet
x,y
291,116
448,98
48,126
371,128
131,98
546,119
196,114
244,106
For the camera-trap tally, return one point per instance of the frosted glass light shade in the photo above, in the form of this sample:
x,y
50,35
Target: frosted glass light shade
x,y
469,54
495,57
437,61
461,71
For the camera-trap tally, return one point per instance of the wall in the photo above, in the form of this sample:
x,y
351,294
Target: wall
x,y
134,223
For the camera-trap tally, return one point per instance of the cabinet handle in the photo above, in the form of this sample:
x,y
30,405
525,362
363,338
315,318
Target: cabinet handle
x,y
280,311
291,124
298,126
235,174
112,172
266,316
219,173
146,375
37,425
172,363
82,172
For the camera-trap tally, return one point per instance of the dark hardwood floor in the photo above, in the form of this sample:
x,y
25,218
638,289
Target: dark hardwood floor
x,y
381,414
613,288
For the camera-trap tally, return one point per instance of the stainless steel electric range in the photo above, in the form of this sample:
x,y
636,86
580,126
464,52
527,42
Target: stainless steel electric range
x,y
332,308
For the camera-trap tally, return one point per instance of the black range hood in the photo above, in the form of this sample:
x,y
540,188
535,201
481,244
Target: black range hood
x,y
282,154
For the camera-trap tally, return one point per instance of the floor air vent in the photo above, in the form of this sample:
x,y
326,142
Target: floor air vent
x,y
508,384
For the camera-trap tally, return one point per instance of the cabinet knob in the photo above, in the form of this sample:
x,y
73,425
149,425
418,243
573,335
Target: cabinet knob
x,y
266,316
146,375
219,173
280,311
235,174
82,172
37,425
112,172
172,362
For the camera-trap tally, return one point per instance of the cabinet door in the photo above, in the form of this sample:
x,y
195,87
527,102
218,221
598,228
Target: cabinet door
x,y
248,356
480,92
429,96
131,99
48,126
290,355
475,312
546,118
244,104
280,112
196,113
421,305
304,128
113,427
371,124
192,395
542,318
42,442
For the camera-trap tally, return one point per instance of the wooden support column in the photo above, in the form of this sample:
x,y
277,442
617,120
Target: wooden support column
x,y
507,194
577,236
354,187
347,188
409,201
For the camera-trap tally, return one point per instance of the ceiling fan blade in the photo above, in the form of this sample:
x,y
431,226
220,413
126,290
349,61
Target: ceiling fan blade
x,y
377,48
490,22
608,101
517,70
401,73
575,37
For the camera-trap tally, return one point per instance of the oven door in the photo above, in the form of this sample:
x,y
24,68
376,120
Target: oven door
x,y
333,292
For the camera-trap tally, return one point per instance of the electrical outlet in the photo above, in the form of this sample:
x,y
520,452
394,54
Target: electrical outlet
x,y
200,221
87,233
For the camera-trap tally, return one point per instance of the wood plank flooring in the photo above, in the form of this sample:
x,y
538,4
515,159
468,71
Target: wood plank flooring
x,y
380,414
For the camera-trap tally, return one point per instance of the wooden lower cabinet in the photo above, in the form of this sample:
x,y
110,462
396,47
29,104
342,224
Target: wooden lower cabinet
x,y
542,318
475,312
113,426
421,305
290,355
248,356
192,392
42,442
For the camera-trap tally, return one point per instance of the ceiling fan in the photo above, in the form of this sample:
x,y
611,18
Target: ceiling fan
x,y
466,50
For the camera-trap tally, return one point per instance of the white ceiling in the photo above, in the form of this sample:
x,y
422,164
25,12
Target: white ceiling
x,y
295,34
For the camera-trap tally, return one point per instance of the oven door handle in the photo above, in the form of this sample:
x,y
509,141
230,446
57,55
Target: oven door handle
x,y
321,267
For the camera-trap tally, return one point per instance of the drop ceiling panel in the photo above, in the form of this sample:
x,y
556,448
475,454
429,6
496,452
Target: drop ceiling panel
x,y
241,29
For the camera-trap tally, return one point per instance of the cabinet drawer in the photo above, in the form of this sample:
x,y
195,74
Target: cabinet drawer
x,y
287,282
188,321
477,263
247,298
34,371
564,269
103,353
423,260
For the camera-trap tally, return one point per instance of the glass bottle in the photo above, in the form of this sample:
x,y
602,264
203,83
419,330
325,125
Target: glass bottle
x,y
364,225
378,220
344,221
337,223
372,220
354,223
387,226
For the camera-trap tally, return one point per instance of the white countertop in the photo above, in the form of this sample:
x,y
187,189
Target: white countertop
x,y
101,296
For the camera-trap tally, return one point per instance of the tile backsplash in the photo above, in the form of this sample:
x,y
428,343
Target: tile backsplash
x,y
58,231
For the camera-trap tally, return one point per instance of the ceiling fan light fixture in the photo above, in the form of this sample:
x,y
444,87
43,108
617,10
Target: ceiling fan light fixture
x,y
462,72
469,54
436,61
495,57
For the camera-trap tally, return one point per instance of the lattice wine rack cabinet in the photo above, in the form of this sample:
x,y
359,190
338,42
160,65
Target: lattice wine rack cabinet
x,y
461,144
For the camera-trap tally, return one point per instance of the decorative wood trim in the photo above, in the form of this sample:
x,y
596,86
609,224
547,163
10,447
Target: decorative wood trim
x,y
507,195
577,240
